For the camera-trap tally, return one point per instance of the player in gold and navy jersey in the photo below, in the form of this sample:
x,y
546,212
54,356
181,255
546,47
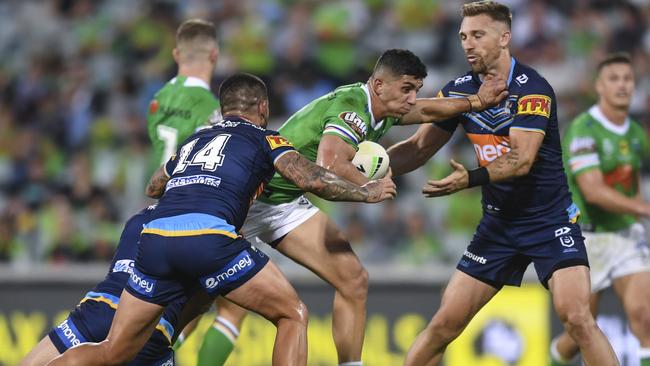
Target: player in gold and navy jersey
x,y
528,215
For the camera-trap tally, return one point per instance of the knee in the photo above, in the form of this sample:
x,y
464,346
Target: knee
x,y
576,318
297,313
639,317
354,282
444,328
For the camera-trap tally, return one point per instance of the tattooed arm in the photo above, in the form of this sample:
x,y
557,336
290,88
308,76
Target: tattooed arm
x,y
517,162
156,186
325,184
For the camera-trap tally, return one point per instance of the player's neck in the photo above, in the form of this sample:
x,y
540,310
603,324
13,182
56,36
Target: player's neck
x,y
614,114
255,120
200,71
501,67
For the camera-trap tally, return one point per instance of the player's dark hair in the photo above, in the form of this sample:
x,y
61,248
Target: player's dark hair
x,y
196,29
497,11
241,92
614,58
401,62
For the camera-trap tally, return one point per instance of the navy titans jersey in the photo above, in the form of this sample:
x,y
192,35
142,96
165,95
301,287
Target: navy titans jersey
x,y
218,172
122,263
530,106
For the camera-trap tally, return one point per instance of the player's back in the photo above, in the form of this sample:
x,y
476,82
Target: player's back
x,y
218,171
176,111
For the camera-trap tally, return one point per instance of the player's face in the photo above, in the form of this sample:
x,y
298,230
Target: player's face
x,y
483,40
399,94
615,85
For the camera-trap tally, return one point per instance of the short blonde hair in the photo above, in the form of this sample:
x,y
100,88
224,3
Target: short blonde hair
x,y
493,9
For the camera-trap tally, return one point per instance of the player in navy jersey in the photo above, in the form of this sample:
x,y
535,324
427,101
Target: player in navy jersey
x,y
191,245
528,213
91,319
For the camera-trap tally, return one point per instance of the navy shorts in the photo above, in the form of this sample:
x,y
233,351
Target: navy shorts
x,y
91,320
169,268
502,249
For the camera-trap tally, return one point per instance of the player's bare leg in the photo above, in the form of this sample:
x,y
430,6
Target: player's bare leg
x,y
563,347
40,355
320,246
462,299
269,294
132,326
634,292
571,290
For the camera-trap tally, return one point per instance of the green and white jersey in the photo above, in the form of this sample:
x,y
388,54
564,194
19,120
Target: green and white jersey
x,y
177,110
345,112
593,142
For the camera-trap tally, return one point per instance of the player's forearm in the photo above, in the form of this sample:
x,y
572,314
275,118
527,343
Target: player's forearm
x,y
341,166
428,110
614,201
512,164
318,180
157,183
406,156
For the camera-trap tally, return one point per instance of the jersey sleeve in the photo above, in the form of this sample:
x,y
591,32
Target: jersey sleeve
x,y
275,146
534,107
347,121
170,165
450,124
582,150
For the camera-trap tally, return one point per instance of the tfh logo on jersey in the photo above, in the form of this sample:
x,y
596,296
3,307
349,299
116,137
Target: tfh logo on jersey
x,y
355,122
277,141
535,104
489,147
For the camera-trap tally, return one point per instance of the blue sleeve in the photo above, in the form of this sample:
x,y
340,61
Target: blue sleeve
x,y
448,125
275,146
534,107
170,165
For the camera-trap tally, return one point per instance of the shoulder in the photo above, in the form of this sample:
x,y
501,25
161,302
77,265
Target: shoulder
x,y
463,84
528,79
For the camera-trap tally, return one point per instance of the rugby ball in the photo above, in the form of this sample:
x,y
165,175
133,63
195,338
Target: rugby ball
x,y
371,160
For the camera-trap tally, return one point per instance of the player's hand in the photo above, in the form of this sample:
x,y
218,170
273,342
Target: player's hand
x,y
491,93
452,183
381,189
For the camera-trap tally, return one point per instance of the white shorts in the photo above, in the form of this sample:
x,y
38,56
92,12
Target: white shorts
x,y
616,254
271,222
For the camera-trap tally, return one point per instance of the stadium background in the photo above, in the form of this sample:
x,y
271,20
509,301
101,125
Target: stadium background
x,y
76,77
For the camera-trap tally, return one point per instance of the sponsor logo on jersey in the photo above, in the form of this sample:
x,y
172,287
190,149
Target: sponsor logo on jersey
x,y
534,104
153,106
124,265
176,112
623,176
206,180
236,268
582,145
355,122
474,257
489,147
463,79
277,141
141,283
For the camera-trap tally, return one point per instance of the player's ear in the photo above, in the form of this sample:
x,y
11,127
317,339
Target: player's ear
x,y
377,85
504,41
214,55
176,53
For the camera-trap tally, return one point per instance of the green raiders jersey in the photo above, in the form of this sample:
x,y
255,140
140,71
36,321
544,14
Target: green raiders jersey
x,y
593,142
177,110
345,113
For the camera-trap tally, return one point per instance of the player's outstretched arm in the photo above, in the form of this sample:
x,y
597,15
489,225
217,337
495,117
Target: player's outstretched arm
x,y
156,186
427,110
410,154
515,163
596,192
325,184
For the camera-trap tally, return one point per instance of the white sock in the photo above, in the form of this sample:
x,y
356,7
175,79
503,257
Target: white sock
x,y
643,353
556,356
352,363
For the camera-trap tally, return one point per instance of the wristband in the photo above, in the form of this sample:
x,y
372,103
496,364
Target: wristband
x,y
475,102
478,177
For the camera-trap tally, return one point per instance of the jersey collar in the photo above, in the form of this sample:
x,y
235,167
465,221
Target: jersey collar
x,y
599,116
192,81
373,123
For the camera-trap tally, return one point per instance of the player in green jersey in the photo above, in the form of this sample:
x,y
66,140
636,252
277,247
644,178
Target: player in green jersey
x,y
182,106
327,131
603,149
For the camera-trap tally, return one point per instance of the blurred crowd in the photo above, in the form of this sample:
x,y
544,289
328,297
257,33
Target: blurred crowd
x,y
76,77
